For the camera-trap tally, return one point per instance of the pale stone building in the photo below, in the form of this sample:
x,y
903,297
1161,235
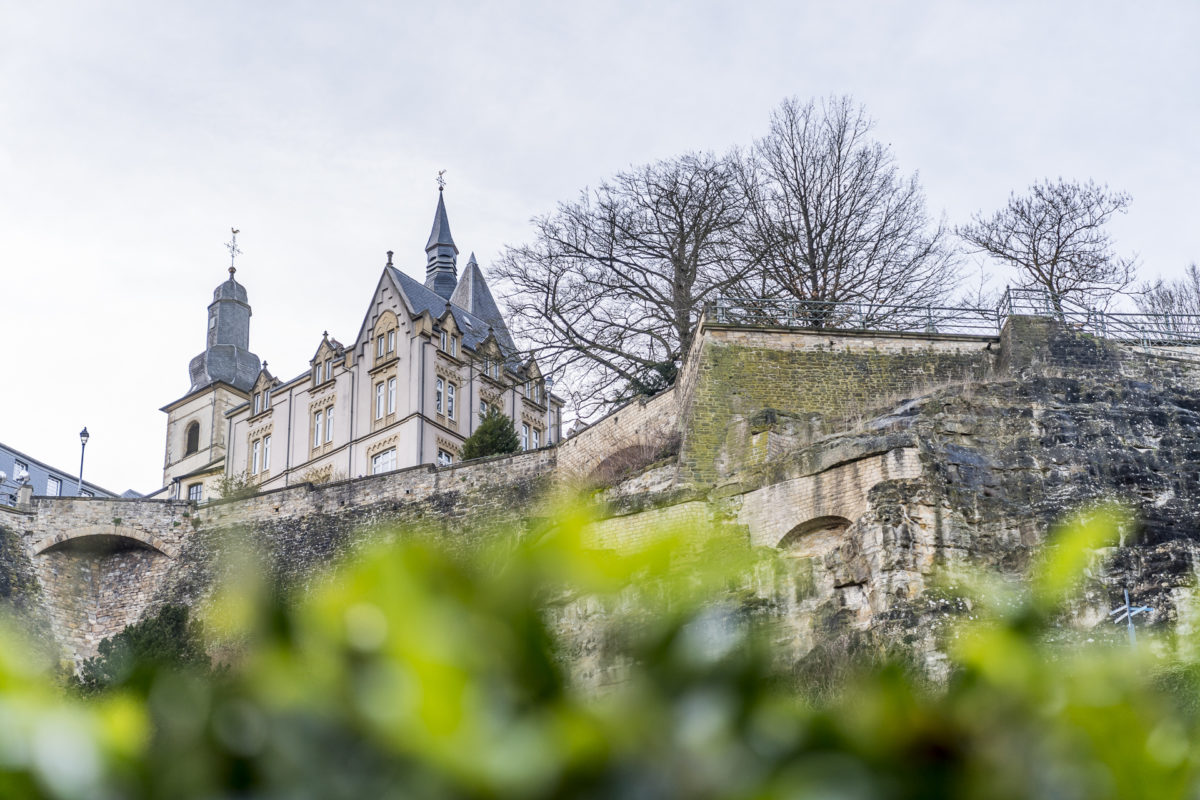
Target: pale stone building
x,y
427,361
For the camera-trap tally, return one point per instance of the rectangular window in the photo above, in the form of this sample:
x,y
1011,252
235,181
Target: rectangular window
x,y
391,396
329,425
255,453
266,399
18,468
440,388
379,400
444,459
482,409
524,436
257,402
86,493
53,487
266,462
383,462
328,368
317,429
443,341
195,492
391,345
454,346
537,435
450,391
379,347
317,373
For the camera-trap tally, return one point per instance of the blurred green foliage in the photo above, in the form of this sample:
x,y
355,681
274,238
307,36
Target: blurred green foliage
x,y
421,671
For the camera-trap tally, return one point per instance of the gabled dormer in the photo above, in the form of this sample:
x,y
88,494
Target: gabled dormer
x,y
329,353
260,392
449,334
385,339
490,358
534,386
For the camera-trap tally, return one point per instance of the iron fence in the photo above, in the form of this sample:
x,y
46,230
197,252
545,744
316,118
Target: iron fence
x,y
1147,330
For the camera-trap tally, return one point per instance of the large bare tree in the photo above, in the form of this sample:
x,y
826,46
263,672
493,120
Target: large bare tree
x,y
834,220
1055,237
609,291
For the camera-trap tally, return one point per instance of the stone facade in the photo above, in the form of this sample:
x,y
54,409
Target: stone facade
x,y
866,462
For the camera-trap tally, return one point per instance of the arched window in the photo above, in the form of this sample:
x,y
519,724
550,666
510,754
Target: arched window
x,y
193,438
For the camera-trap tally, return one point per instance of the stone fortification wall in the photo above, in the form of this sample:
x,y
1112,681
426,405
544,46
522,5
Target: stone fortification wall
x,y
84,568
828,380
644,423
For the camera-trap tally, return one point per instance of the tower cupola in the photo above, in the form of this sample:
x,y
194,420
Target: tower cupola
x,y
227,357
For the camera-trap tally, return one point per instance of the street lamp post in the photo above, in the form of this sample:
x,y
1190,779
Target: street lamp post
x,y
83,440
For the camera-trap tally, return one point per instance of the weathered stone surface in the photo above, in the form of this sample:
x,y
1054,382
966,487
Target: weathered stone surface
x,y
870,463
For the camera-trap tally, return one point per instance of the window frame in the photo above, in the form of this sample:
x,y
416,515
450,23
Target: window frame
x,y
56,484
318,417
391,395
195,492
438,393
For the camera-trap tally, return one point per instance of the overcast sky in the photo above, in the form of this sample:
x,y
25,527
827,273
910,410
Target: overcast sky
x,y
134,134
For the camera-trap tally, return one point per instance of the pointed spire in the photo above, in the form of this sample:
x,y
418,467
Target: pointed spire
x,y
441,265
472,294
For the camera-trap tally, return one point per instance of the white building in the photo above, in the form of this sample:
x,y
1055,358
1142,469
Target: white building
x,y
427,361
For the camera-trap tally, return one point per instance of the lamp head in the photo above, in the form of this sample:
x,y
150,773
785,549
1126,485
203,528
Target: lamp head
x,y
83,437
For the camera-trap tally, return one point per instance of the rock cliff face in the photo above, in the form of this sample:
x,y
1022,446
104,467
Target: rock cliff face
x,y
973,473
868,463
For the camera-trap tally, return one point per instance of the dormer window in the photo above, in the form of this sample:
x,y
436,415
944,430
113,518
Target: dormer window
x,y
266,395
328,368
379,346
454,346
257,402
391,341
444,348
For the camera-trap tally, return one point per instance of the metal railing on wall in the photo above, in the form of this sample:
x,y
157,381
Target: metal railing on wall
x,y
1147,330
852,315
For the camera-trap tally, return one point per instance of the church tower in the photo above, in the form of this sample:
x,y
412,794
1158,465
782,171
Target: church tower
x,y
441,254
221,378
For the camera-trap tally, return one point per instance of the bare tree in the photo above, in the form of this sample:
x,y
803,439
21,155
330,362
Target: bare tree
x,y
1171,297
833,220
1056,239
609,291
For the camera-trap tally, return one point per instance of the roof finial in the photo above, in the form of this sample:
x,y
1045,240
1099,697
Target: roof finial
x,y
389,252
234,252
441,182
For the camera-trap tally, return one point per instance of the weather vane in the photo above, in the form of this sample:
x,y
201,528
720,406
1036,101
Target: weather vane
x,y
441,181
234,252
1127,613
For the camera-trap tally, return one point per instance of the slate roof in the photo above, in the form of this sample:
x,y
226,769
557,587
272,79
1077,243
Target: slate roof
x,y
473,295
474,328
440,234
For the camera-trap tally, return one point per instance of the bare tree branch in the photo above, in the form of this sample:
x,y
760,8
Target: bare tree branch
x,y
1056,239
